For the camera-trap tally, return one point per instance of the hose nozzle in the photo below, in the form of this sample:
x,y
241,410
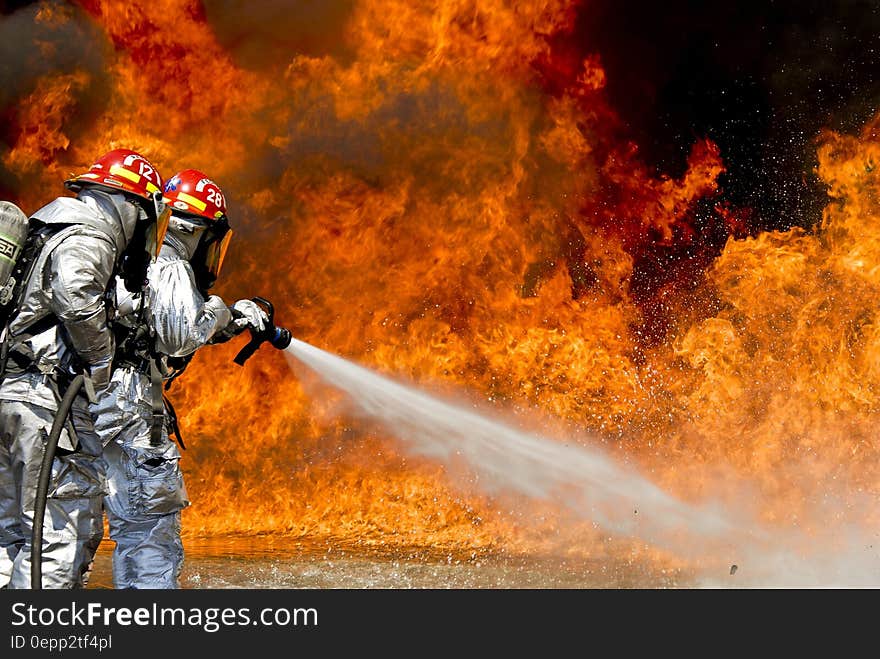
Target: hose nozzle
x,y
278,337
282,338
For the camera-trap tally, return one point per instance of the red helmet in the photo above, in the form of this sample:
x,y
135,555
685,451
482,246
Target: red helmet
x,y
191,191
122,169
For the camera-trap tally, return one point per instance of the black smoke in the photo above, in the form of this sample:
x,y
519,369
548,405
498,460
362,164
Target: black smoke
x,y
760,79
47,38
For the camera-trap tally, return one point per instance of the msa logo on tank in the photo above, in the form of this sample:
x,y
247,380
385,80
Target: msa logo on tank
x,y
8,249
13,234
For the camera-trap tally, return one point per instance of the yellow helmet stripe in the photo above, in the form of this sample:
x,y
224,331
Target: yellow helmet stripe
x,y
151,188
124,173
192,201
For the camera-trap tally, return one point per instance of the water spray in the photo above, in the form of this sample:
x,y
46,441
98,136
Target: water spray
x,y
583,478
587,481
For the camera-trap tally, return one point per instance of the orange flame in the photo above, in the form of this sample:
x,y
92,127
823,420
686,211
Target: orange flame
x,y
431,205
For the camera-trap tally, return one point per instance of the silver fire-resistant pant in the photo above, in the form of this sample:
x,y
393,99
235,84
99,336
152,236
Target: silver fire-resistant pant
x,y
146,489
72,526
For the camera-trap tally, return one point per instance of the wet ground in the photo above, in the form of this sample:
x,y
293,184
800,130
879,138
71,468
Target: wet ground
x,y
273,563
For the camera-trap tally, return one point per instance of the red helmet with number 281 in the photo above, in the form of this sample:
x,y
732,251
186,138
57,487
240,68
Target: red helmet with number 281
x,y
191,193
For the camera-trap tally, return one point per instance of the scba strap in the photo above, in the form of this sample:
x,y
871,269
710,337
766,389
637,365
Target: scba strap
x,y
163,410
158,402
173,425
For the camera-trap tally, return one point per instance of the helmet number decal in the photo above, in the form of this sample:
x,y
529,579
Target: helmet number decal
x,y
215,197
145,170
149,173
212,194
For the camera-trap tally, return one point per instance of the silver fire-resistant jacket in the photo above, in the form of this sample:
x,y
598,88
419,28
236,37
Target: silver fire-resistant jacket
x,y
70,280
145,481
182,321
182,318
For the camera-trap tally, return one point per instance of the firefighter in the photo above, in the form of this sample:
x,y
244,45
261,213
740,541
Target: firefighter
x,y
59,327
158,333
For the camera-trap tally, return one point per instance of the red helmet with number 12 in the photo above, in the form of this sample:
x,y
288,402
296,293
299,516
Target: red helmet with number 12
x,y
121,169
124,170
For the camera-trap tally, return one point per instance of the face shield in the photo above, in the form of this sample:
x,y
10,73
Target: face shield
x,y
156,231
211,252
216,247
144,247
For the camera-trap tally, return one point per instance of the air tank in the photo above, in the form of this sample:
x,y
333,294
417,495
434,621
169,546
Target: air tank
x,y
13,231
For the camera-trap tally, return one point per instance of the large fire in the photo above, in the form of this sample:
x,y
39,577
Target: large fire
x,y
446,195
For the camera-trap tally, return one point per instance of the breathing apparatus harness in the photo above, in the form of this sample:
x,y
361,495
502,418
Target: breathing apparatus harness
x,y
136,348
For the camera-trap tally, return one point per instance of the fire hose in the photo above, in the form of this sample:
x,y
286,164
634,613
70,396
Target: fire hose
x,y
43,483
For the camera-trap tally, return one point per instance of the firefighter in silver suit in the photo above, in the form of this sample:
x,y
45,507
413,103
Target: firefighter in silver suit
x,y
59,328
157,334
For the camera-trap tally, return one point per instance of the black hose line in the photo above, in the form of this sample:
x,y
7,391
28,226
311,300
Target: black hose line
x,y
43,483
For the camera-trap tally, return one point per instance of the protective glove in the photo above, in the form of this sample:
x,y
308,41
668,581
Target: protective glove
x,y
247,314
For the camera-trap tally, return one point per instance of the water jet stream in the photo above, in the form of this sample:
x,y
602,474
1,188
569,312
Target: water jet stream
x,y
586,481
592,485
